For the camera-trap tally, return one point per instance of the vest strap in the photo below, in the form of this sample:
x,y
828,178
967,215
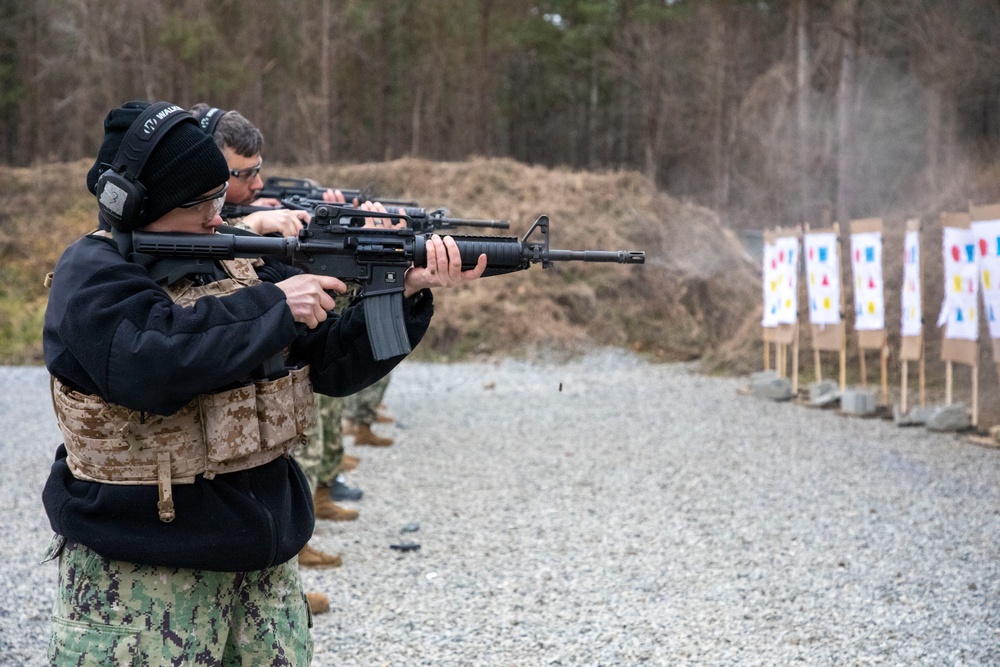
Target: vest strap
x,y
166,502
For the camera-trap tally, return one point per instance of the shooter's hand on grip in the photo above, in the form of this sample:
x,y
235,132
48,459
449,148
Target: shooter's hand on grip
x,y
307,297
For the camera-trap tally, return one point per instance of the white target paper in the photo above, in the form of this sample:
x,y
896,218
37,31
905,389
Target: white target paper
x,y
961,285
869,289
913,321
988,244
781,261
823,276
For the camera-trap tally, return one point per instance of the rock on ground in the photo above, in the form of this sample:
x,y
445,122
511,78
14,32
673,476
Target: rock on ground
x,y
609,512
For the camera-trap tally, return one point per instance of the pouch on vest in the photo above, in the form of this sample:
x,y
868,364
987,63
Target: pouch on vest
x,y
276,411
230,422
305,401
111,444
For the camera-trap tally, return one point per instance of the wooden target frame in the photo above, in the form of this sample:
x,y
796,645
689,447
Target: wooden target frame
x,y
783,335
983,213
957,350
872,339
831,337
911,348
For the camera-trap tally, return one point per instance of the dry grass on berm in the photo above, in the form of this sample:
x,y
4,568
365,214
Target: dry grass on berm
x,y
697,296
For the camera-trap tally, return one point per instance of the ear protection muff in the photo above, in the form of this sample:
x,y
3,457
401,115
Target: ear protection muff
x,y
209,120
121,198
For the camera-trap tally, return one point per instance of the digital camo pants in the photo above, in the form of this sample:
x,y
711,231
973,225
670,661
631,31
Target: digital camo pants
x,y
112,612
361,407
321,454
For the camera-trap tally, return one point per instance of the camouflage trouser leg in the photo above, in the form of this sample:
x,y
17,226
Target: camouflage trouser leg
x,y
360,407
323,450
111,612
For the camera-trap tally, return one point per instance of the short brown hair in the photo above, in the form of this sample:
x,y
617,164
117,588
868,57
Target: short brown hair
x,y
233,130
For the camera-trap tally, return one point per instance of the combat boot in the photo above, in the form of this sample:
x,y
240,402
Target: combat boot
x,y
325,508
383,418
349,462
318,603
310,557
363,436
347,426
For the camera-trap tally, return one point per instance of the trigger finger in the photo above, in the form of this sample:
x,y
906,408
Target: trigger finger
x,y
327,302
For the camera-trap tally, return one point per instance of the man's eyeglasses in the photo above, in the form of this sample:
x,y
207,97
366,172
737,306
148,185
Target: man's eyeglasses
x,y
248,173
218,198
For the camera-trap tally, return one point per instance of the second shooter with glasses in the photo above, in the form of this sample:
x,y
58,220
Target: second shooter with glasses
x,y
241,143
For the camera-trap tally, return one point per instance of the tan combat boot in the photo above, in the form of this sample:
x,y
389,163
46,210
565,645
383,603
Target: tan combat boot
x,y
324,508
310,557
318,603
363,436
383,419
348,462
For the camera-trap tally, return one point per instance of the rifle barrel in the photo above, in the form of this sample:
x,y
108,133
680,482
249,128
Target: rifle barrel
x,y
459,222
617,256
505,254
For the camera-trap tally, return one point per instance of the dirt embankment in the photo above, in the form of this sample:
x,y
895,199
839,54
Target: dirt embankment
x,y
697,296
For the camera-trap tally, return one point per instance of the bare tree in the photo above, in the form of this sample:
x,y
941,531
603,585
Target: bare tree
x,y
802,78
846,28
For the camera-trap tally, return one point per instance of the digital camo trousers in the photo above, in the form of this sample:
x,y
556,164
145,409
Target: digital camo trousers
x,y
112,612
321,454
361,407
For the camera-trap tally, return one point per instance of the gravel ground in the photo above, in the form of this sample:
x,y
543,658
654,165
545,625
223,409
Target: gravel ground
x,y
610,512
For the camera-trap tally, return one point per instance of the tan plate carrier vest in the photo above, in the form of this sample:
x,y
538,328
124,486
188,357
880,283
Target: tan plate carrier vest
x,y
224,432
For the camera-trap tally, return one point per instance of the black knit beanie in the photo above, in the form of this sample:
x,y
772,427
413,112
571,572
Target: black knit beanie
x,y
184,165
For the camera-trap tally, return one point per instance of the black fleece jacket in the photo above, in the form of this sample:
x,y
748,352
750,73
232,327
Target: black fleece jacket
x,y
113,332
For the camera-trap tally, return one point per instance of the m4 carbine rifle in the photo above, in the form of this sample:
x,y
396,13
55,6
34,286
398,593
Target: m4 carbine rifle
x,y
420,220
281,187
335,244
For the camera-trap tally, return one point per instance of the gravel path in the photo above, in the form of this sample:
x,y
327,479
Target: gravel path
x,y
610,512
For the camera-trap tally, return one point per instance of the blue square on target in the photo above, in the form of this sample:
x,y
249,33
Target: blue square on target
x,y
822,254
869,254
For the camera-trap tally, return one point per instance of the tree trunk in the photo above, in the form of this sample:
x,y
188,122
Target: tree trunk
x,y
845,96
806,212
592,111
325,90
933,134
415,122
483,80
717,68
382,82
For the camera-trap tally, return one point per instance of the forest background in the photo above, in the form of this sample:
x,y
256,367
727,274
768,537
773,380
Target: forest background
x,y
705,118
766,111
